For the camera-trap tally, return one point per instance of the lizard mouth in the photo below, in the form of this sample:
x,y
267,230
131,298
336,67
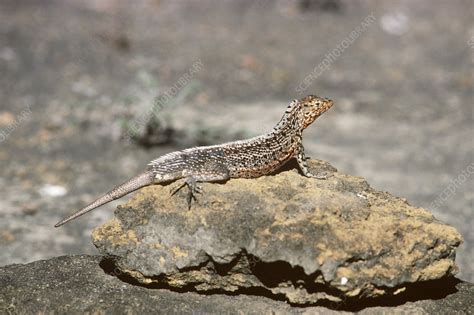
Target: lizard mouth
x,y
327,104
318,111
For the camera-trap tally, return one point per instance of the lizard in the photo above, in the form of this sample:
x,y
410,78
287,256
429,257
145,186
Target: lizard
x,y
248,158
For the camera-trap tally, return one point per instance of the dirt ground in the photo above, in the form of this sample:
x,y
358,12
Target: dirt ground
x,y
78,75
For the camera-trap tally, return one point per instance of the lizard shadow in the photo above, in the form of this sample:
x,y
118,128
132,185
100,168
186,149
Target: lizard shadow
x,y
292,164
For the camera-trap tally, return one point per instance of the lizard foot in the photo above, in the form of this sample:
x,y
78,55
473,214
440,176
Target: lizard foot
x,y
193,190
320,175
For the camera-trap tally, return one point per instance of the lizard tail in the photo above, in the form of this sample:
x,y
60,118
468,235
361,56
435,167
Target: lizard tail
x,y
144,179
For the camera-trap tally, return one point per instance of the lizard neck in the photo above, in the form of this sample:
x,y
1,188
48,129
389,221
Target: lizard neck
x,y
291,123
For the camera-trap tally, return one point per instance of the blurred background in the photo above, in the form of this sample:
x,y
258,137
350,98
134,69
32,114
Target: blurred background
x,y
90,91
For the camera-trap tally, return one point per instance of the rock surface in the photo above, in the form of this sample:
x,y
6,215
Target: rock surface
x,y
84,284
291,237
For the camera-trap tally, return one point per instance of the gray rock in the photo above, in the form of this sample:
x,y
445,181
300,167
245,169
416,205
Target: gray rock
x,y
293,237
84,284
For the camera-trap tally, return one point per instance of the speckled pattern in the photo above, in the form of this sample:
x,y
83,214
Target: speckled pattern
x,y
246,158
238,159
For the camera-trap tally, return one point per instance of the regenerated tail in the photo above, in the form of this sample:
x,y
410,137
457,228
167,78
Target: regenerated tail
x,y
144,179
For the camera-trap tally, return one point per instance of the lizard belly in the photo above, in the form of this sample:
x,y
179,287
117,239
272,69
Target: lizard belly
x,y
255,168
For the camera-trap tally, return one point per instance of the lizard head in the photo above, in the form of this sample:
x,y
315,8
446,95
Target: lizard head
x,y
312,107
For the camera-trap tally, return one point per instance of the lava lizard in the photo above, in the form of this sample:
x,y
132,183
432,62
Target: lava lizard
x,y
248,158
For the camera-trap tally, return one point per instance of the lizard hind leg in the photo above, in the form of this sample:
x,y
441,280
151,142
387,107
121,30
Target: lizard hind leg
x,y
192,180
194,189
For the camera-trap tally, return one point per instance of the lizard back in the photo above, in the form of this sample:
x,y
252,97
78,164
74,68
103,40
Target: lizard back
x,y
248,158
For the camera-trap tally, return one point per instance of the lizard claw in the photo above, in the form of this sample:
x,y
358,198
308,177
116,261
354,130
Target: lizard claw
x,y
198,189
175,190
193,190
321,175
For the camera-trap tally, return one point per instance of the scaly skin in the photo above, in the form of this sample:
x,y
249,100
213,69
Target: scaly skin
x,y
248,158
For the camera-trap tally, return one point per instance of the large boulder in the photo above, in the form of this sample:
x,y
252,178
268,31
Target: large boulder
x,y
301,239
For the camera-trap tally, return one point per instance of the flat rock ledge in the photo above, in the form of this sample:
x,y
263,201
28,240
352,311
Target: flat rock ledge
x,y
289,237
89,285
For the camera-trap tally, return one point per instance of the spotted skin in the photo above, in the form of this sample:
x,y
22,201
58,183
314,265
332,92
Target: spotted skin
x,y
248,158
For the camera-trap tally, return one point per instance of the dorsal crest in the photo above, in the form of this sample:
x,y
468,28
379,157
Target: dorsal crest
x,y
292,106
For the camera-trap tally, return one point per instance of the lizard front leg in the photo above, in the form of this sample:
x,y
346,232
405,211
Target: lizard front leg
x,y
301,159
215,174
